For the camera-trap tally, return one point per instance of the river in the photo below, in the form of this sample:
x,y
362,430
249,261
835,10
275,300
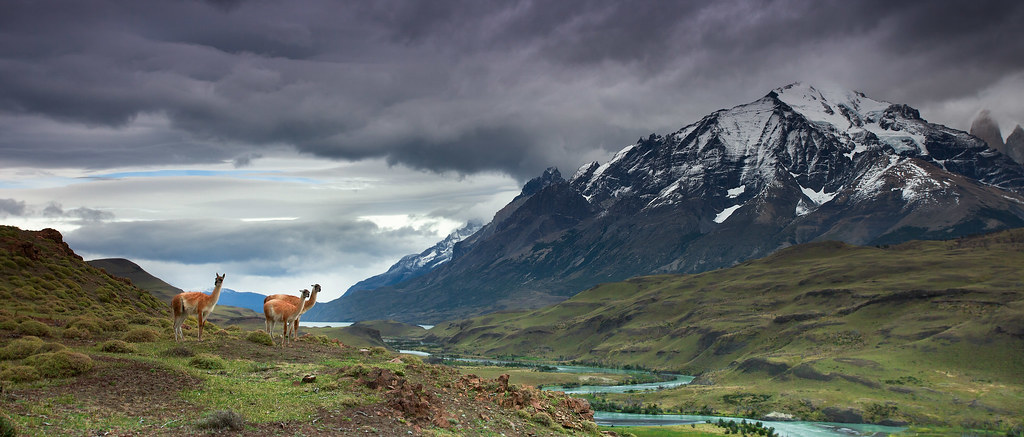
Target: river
x,y
785,429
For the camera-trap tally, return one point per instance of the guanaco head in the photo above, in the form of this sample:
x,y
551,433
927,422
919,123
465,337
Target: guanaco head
x,y
316,288
219,280
305,294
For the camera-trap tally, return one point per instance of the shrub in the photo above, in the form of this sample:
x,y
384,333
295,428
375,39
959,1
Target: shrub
x,y
62,364
234,328
8,324
20,374
141,335
357,370
51,347
206,361
117,324
117,347
378,351
221,419
178,351
76,332
32,327
591,428
140,319
260,337
87,323
21,348
543,419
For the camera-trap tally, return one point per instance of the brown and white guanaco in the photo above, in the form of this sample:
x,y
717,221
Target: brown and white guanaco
x,y
294,300
195,302
280,310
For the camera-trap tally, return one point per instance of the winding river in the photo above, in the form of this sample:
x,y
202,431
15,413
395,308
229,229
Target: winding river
x,y
785,429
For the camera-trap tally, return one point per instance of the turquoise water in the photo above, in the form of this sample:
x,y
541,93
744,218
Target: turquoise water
x,y
787,429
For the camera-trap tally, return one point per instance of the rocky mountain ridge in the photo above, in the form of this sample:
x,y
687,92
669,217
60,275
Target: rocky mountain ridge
x,y
801,164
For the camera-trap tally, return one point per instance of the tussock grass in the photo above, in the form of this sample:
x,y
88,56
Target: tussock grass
x,y
61,364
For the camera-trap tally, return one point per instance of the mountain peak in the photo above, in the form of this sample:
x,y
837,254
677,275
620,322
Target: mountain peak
x,y
551,176
1015,145
837,106
986,128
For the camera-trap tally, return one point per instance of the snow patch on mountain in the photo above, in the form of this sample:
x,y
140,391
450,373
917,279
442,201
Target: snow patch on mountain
x,y
724,215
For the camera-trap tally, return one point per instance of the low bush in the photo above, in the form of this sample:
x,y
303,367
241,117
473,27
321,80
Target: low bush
x,y
260,337
543,419
21,348
117,324
141,335
222,419
19,374
117,347
32,327
51,347
91,324
61,364
206,361
75,332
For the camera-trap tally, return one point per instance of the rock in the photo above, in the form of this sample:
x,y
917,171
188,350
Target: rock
x,y
779,417
842,415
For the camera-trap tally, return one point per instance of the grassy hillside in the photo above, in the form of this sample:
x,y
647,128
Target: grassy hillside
x,y
85,353
224,314
926,332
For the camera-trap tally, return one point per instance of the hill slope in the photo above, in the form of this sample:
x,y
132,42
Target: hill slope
x,y
935,327
798,165
232,307
85,353
40,274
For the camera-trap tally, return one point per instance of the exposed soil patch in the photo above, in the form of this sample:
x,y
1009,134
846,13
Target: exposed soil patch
x,y
116,386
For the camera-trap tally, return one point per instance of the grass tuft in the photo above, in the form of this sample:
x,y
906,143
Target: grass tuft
x,y
260,337
207,361
221,419
32,327
62,364
20,374
21,348
7,428
118,347
141,335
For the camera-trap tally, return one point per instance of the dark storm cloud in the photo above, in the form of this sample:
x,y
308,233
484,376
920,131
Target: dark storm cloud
x,y
454,85
11,207
55,210
254,245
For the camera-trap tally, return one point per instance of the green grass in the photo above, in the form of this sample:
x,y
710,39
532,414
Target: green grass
x,y
268,396
839,321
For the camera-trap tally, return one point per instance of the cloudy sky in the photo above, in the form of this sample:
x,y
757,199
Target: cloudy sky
x,y
287,143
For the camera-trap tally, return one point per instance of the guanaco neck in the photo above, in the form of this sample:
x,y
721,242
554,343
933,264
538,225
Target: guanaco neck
x,y
302,301
215,295
303,307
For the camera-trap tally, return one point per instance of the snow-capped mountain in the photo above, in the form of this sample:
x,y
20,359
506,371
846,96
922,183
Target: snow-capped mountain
x,y
798,165
409,267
